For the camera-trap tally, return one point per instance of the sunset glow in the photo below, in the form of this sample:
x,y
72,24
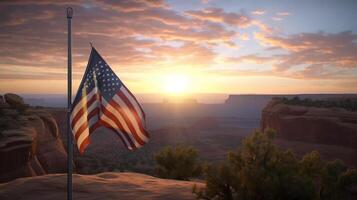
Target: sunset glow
x,y
176,84
172,47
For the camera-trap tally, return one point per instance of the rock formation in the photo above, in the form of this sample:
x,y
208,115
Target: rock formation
x,y
29,141
331,126
101,186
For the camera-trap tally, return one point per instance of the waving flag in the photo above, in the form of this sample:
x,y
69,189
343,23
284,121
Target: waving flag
x,y
103,100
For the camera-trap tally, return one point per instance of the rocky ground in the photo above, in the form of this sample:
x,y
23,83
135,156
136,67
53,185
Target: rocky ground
x,y
101,186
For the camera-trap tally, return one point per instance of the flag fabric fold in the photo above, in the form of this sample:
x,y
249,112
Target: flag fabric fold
x,y
103,100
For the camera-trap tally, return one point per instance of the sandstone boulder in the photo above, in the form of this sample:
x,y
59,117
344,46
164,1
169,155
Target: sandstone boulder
x,y
14,99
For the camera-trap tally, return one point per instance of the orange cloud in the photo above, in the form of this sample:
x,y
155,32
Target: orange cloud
x,y
324,55
132,5
252,58
119,29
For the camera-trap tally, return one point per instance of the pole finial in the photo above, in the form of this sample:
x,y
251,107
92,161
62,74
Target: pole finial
x,y
69,12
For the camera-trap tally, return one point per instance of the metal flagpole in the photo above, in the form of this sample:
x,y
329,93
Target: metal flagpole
x,y
69,104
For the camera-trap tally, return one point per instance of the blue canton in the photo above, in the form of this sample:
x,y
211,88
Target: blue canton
x,y
101,75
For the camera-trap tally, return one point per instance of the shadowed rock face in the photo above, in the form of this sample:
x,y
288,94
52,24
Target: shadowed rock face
x,y
100,186
29,141
14,99
314,125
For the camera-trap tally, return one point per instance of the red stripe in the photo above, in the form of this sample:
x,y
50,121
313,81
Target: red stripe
x,y
86,141
133,111
81,129
92,113
94,127
120,136
84,145
118,108
79,114
117,122
85,124
135,100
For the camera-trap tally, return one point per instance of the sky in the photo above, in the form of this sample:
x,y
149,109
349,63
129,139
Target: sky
x,y
184,47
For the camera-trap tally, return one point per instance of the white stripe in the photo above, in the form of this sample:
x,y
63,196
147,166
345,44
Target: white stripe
x,y
85,133
114,111
131,117
82,103
114,126
84,118
128,133
117,115
133,102
82,137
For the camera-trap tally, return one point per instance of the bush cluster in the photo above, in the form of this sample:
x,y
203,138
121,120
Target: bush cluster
x,y
259,170
179,162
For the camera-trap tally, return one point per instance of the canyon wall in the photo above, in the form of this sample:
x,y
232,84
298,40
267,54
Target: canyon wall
x,y
30,143
332,126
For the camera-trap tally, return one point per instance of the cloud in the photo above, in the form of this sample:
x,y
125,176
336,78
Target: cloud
x,y
35,35
132,5
244,36
218,15
258,12
318,55
283,13
251,58
262,26
137,35
277,18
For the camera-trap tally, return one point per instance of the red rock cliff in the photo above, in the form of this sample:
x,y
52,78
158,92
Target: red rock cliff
x,y
29,141
309,124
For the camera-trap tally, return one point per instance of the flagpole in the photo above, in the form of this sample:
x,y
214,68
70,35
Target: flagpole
x,y
69,102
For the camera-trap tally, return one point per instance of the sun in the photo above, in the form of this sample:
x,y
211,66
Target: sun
x,y
176,84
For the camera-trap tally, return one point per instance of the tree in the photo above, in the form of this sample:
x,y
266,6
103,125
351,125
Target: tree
x,y
260,170
179,163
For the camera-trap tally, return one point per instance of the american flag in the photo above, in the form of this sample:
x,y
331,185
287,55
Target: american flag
x,y
103,100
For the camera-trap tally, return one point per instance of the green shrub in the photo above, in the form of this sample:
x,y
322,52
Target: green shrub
x,y
349,104
260,170
177,163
